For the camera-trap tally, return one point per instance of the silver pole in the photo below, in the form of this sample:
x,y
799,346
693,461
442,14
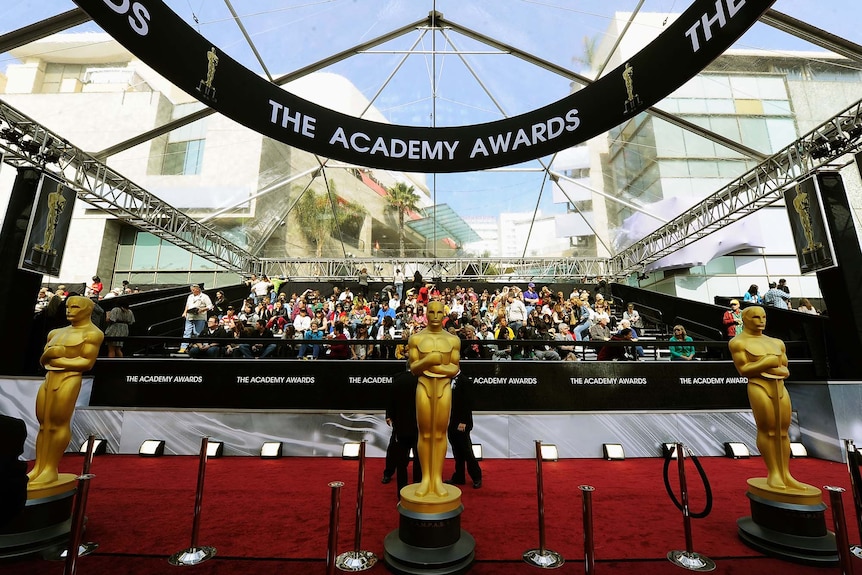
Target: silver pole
x,y
358,560
196,554
840,524
77,524
333,526
589,545
541,557
853,467
688,559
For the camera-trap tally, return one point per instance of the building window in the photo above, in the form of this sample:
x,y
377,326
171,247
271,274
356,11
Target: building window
x,y
183,158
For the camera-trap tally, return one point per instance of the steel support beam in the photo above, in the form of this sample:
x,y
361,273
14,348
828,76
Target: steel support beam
x,y
27,143
752,191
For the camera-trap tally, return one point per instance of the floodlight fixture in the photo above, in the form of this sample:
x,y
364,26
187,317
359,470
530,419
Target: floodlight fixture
x,y
152,448
736,450
100,447
477,451
549,452
271,450
215,449
613,451
350,450
798,450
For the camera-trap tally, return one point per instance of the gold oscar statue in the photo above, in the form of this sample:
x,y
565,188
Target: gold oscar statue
x,y
434,356
763,360
69,352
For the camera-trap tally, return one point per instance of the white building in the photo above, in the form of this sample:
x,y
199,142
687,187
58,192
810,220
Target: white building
x,y
93,92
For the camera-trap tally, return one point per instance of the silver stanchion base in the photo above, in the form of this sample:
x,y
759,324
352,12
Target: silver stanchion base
x,y
59,553
83,549
856,550
544,558
691,560
356,560
192,556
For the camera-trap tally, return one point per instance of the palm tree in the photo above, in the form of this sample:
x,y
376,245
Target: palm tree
x,y
316,219
402,199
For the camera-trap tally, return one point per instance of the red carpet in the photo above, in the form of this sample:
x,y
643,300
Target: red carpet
x,y
271,516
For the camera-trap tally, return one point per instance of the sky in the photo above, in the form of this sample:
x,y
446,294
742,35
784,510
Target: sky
x,y
290,34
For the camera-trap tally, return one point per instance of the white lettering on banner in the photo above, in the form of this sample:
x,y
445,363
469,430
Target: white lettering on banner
x,y
608,380
275,379
299,123
541,132
394,147
138,19
164,379
505,380
723,10
372,380
711,380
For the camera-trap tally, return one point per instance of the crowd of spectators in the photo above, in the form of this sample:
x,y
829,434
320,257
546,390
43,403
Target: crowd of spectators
x,y
503,324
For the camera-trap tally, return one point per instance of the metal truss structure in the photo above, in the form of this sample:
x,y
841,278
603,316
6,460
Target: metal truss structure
x,y
24,142
752,191
452,269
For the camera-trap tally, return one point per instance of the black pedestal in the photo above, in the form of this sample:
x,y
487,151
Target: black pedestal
x,y
44,523
789,531
428,543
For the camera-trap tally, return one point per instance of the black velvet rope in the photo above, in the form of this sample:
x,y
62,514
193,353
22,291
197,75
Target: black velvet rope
x,y
708,507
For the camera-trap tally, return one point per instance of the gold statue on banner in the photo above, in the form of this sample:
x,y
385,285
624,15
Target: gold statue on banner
x,y
68,353
56,205
632,99
434,356
763,360
802,205
212,62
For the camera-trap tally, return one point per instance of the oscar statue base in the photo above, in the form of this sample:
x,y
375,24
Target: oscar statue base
x,y
429,538
45,522
788,525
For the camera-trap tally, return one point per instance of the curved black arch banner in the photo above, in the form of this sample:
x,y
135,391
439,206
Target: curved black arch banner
x,y
156,35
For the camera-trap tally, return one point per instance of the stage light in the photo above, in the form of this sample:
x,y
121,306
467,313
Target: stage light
x,y
613,451
736,450
477,451
798,450
100,446
350,451
215,448
271,450
668,450
549,452
152,448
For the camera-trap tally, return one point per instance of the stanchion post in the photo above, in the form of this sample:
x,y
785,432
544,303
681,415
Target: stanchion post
x,y
856,487
332,545
358,560
88,456
683,497
77,524
589,545
196,554
840,524
688,559
84,549
542,557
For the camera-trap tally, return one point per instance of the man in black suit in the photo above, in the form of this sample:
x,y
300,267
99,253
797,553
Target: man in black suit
x,y
460,425
13,472
401,415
